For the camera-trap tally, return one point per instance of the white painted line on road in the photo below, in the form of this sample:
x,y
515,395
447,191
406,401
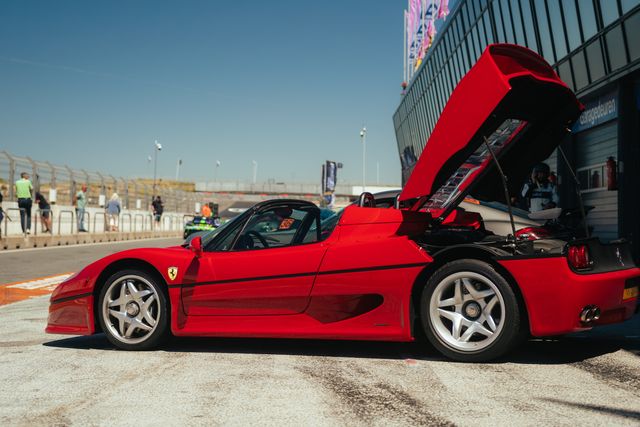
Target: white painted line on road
x,y
85,244
49,283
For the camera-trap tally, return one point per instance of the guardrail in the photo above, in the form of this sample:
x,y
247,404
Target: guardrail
x,y
104,221
71,215
65,222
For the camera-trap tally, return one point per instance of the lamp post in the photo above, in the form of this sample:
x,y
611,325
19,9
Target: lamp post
x,y
363,138
255,171
215,171
157,147
178,168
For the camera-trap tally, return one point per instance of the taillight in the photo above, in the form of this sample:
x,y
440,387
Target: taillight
x,y
578,257
532,233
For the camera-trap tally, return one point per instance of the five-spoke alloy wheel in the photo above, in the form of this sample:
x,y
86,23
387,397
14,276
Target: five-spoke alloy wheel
x,y
469,312
133,310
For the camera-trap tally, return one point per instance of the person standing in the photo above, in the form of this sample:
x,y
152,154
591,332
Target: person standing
x,y
45,212
158,209
113,211
540,193
81,204
206,210
24,190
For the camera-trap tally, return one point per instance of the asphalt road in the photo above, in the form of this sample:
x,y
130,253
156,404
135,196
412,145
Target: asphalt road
x,y
591,378
25,264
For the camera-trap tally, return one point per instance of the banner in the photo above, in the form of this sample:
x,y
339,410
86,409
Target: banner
x,y
420,30
331,176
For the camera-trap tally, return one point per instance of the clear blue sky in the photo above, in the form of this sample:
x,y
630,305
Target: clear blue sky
x,y
286,83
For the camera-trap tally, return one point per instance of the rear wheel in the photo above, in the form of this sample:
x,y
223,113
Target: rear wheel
x,y
133,310
469,312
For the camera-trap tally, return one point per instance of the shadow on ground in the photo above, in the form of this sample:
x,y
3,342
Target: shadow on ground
x,y
566,349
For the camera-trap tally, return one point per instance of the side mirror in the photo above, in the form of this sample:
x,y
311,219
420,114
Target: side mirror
x,y
196,246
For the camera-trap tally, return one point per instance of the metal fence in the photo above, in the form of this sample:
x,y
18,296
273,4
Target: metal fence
x,y
64,221
60,183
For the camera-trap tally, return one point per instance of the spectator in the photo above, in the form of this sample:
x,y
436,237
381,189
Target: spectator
x,y
113,211
45,212
158,209
206,210
539,193
24,190
80,202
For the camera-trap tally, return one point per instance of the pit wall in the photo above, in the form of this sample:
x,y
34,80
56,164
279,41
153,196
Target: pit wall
x,y
133,224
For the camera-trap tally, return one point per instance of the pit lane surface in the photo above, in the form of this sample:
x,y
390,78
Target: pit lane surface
x,y
591,378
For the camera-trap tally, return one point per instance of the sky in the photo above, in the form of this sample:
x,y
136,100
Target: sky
x,y
288,84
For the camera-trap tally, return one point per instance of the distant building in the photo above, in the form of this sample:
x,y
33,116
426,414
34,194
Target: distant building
x,y
594,46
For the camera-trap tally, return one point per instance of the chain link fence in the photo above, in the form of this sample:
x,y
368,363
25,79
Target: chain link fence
x,y
59,183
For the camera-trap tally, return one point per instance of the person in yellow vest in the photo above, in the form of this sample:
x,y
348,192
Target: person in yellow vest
x,y
24,191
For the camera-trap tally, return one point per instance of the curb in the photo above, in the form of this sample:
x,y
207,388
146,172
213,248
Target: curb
x,y
43,241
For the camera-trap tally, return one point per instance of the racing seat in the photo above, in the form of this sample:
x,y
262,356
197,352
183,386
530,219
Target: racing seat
x,y
366,200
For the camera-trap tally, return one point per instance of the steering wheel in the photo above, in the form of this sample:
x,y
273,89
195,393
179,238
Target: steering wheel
x,y
258,236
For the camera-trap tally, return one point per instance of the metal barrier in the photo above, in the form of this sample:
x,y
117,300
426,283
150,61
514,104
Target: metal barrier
x,y
8,218
104,221
151,222
122,217
71,215
135,222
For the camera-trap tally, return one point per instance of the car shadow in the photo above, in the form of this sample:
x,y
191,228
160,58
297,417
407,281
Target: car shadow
x,y
562,350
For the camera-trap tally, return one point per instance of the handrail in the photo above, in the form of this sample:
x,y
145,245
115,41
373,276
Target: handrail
x,y
72,216
6,223
135,222
122,216
104,221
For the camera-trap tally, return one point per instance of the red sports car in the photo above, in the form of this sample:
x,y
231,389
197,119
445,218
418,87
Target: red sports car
x,y
371,273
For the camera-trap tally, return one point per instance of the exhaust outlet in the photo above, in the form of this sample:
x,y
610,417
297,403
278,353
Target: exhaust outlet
x,y
589,314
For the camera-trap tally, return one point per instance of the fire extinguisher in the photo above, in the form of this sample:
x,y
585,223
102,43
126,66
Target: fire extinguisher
x,y
612,174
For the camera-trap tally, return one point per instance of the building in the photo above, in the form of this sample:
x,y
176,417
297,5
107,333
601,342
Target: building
x,y
594,46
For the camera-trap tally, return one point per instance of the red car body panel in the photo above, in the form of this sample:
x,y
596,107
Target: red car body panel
x,y
361,282
553,294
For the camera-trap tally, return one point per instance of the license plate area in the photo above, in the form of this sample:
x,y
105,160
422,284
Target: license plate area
x,y
631,288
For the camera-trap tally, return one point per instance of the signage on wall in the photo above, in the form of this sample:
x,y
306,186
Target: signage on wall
x,y
597,112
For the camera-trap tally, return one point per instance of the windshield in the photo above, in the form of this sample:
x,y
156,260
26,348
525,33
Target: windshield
x,y
208,238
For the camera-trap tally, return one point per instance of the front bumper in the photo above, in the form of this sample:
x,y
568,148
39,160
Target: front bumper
x,y
71,307
554,295
71,316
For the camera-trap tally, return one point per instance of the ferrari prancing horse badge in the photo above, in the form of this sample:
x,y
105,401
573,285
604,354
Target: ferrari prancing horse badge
x,y
172,272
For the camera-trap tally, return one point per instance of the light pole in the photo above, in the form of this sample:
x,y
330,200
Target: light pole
x,y
157,147
255,171
178,168
363,138
215,171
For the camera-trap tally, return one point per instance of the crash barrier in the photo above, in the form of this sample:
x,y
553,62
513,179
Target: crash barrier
x,y
71,221
8,219
64,221
122,222
103,228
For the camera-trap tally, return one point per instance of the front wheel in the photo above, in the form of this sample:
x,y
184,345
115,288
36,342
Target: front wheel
x,y
133,310
469,312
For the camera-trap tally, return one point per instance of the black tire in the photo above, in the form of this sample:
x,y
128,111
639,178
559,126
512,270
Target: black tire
x,y
148,303
447,290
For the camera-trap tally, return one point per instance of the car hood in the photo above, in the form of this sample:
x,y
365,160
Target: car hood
x,y
510,100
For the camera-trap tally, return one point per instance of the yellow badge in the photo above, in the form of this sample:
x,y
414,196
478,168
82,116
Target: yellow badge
x,y
172,272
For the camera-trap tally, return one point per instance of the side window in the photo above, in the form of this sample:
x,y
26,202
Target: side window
x,y
278,227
